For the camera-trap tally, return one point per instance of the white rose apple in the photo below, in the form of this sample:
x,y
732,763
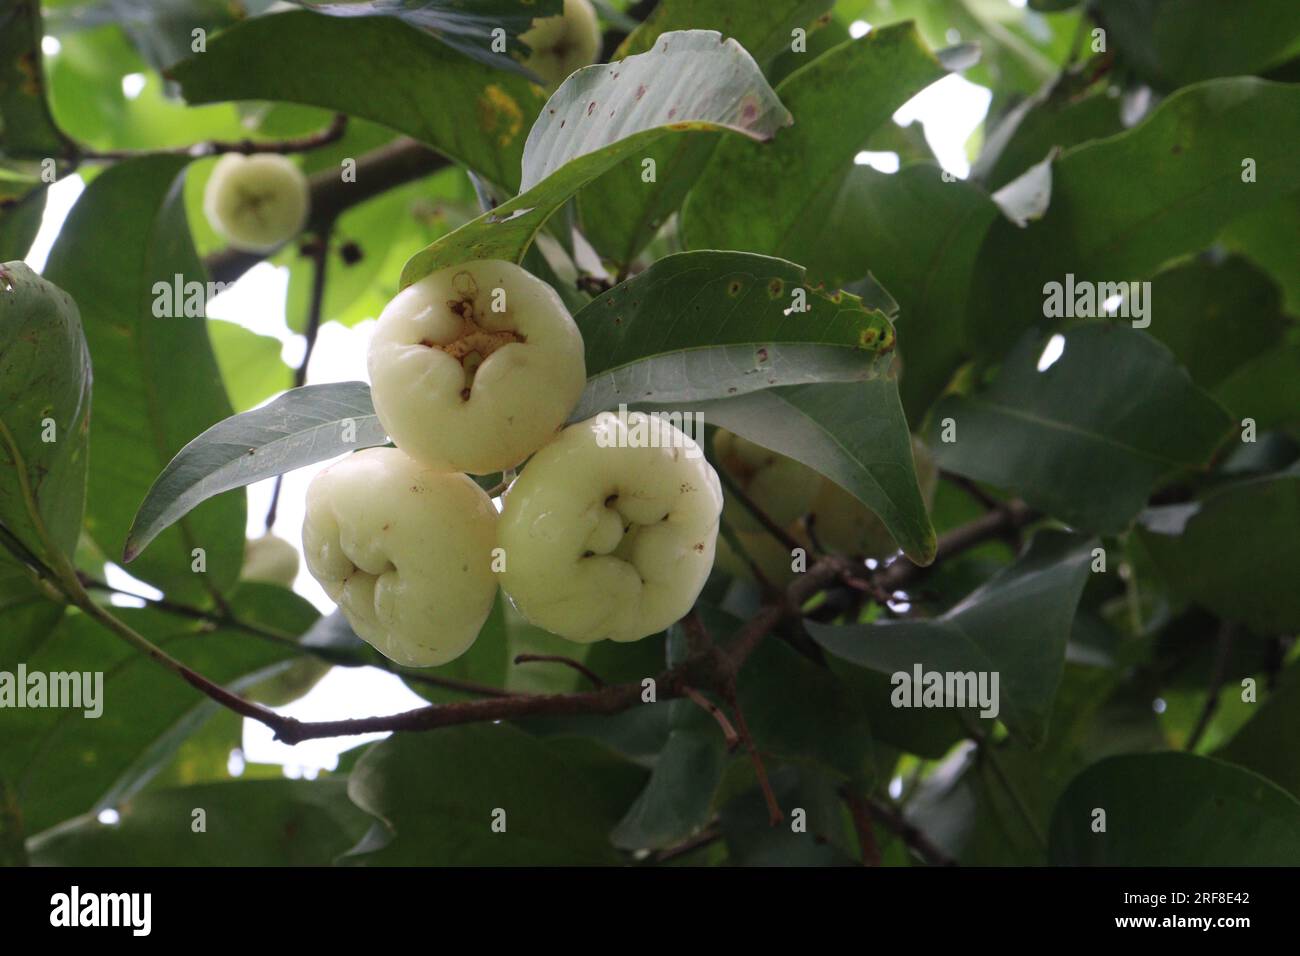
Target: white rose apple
x,y
475,367
607,541
564,43
256,202
405,551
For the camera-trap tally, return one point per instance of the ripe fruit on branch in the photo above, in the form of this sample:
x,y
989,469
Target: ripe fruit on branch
x,y
563,43
405,551
270,559
475,367
256,202
608,541
782,487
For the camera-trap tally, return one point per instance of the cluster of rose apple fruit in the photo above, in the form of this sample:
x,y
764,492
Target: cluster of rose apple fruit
x,y
474,370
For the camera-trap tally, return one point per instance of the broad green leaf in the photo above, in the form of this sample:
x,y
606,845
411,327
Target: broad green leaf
x,y
44,415
377,68
702,325
22,206
1175,809
824,841
1265,390
64,763
247,823
301,427
927,270
26,127
160,30
124,242
854,433
1015,626
250,364
1171,43
784,199
1106,224
1090,436
691,80
1265,237
469,29
1059,116
439,794
800,712
621,211
1238,553
1215,317
1267,743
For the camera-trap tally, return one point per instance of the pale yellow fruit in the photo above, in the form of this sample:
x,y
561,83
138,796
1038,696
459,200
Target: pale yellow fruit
x,y
256,202
475,367
607,541
563,43
405,551
270,559
780,486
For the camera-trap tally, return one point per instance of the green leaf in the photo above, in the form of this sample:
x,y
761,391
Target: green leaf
x,y
125,238
691,80
1265,389
1106,224
246,823
44,411
621,212
702,325
1174,809
64,763
250,364
784,199
468,29
160,30
1015,626
377,68
1091,436
22,206
753,841
1171,43
927,270
1238,553
854,433
1215,317
1265,237
440,793
1267,743
301,427
26,127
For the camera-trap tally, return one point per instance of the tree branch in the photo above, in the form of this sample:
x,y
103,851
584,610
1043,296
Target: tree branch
x,y
914,838
331,134
578,666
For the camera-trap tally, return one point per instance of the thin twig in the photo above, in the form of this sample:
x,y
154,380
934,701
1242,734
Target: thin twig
x,y
713,710
911,835
860,811
732,487
1222,654
774,815
710,834
578,666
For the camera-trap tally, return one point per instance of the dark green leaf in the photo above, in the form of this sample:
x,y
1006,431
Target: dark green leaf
x,y
1015,626
784,199
1090,436
44,411
377,68
702,325
1238,553
244,823
26,127
1174,809
301,427
439,794
1267,743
